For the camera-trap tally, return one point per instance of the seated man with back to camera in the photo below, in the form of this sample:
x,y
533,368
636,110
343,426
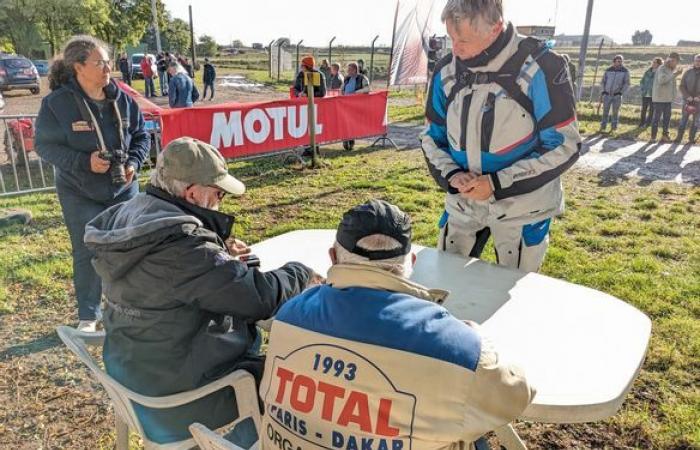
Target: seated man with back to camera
x,y
370,360
180,308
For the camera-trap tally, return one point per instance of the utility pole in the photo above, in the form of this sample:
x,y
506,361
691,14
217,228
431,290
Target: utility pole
x,y
584,49
194,50
154,10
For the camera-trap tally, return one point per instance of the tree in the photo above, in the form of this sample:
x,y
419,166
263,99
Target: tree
x,y
207,46
128,20
642,37
237,43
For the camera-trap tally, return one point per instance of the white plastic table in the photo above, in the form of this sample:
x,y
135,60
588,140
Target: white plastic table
x,y
579,347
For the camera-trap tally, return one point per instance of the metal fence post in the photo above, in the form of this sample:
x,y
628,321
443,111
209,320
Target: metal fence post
x,y
371,60
298,64
330,51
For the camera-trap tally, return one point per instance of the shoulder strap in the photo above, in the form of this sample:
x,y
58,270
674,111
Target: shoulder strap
x,y
508,75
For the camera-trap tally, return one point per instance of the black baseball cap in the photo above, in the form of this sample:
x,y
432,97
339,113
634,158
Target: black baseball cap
x,y
375,217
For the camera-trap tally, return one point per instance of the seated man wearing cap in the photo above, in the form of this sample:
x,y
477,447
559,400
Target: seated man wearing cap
x,y
180,308
372,361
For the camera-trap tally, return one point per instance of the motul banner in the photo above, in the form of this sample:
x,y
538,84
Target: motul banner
x,y
245,129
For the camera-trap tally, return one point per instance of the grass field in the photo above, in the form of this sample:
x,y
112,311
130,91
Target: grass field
x,y
637,243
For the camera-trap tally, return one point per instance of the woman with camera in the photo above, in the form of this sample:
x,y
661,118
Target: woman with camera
x,y
94,135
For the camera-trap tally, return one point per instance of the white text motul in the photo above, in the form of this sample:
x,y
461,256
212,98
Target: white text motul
x,y
234,129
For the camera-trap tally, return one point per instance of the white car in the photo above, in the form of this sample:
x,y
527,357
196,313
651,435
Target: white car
x,y
2,102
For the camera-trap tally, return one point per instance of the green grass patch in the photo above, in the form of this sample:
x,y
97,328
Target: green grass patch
x,y
639,243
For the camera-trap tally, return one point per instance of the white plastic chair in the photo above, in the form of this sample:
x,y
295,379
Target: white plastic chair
x,y
240,381
206,439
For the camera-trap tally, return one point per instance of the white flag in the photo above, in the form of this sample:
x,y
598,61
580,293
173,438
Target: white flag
x,y
409,64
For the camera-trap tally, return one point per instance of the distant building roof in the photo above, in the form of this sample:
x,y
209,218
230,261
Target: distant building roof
x,y
575,39
539,31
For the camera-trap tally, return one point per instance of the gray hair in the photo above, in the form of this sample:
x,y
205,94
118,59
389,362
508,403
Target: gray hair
x,y
697,56
178,67
489,11
158,179
400,265
76,50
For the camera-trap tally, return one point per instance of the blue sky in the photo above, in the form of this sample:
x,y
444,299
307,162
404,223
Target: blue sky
x,y
358,21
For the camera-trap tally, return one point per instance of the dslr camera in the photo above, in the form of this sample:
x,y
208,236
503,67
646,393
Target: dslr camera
x,y
117,158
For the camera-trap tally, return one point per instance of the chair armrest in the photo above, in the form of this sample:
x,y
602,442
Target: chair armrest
x,y
239,379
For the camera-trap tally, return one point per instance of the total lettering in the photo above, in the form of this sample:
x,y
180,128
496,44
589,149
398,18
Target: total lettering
x,y
256,126
304,393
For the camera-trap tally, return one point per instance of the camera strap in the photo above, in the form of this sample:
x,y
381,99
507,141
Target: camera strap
x,y
89,117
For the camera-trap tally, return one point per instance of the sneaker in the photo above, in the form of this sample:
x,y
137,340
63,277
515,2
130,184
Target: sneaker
x,y
665,138
87,326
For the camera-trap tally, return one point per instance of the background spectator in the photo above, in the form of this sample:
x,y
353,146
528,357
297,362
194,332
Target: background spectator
x,y
690,91
125,68
180,87
208,77
663,94
148,74
615,82
646,87
335,81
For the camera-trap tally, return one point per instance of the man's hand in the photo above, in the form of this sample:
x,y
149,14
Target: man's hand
x,y
477,189
461,179
97,164
237,247
130,171
315,280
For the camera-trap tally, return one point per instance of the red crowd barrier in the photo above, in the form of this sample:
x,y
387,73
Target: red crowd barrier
x,y
247,129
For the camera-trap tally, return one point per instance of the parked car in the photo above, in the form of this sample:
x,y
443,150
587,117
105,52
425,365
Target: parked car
x,y
2,102
17,72
42,66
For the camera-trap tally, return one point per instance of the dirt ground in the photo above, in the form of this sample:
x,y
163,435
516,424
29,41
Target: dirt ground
x,y
50,401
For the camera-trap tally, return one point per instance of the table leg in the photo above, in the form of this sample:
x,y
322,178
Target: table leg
x,y
509,438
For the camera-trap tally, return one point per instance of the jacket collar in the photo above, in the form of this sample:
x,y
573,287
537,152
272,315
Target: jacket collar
x,y
112,91
215,221
342,276
491,52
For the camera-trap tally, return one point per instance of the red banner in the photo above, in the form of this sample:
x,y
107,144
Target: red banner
x,y
245,129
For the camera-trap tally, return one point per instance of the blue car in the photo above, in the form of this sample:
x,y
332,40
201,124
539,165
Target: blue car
x,y
42,66
17,72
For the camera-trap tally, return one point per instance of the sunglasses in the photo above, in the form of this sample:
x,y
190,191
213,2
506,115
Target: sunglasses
x,y
219,193
101,63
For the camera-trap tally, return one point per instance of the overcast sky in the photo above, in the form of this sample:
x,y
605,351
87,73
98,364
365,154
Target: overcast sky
x,y
358,21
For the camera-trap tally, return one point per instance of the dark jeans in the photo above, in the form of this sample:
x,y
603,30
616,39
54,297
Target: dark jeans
x,y
163,79
694,123
614,101
78,210
211,86
661,109
647,111
126,78
150,87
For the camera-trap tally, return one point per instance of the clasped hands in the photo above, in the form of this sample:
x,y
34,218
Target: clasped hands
x,y
472,186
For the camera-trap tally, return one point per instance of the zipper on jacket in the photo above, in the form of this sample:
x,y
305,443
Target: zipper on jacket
x,y
466,103
487,121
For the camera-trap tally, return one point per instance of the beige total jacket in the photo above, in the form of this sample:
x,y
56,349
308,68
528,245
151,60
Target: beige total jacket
x,y
366,362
